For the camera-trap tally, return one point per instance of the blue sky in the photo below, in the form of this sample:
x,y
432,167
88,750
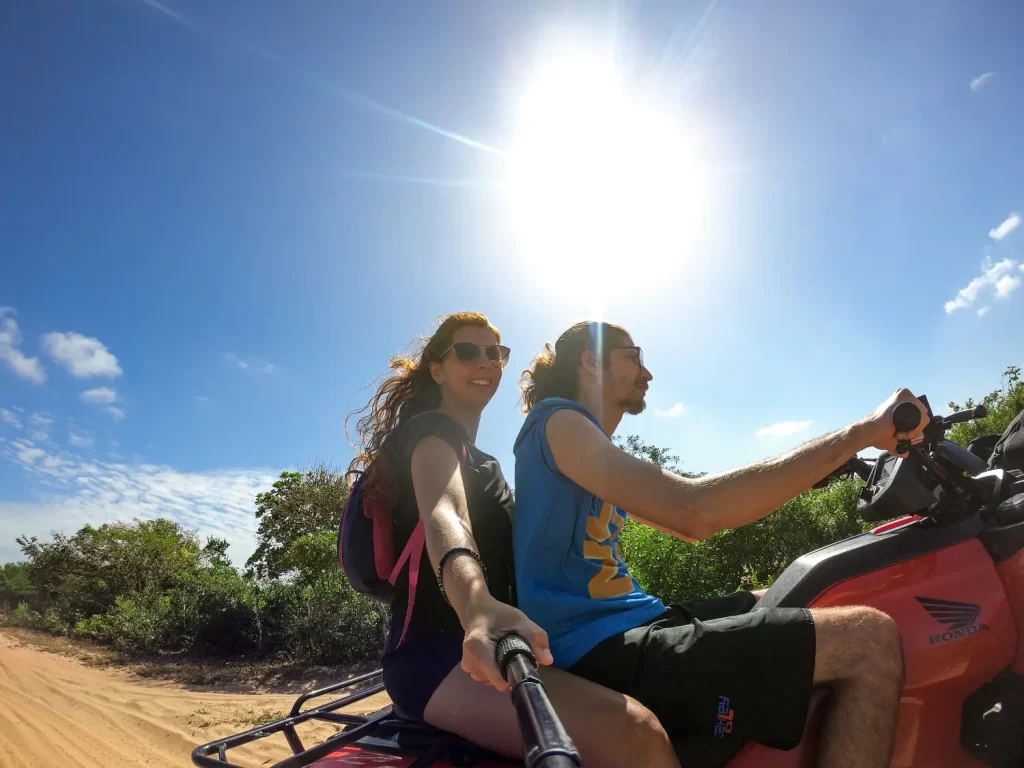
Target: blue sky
x,y
219,220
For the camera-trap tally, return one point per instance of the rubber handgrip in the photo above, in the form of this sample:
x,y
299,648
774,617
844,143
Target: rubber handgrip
x,y
906,417
508,648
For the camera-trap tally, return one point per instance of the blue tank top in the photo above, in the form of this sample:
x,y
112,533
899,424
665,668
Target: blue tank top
x,y
570,575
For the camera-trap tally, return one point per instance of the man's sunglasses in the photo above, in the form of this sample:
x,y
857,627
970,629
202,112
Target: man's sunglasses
x,y
639,354
468,352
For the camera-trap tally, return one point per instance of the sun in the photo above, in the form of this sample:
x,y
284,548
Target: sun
x,y
603,189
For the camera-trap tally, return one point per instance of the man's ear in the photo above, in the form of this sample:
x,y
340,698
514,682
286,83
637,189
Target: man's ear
x,y
588,361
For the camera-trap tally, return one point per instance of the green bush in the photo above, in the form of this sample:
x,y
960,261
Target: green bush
x,y
210,613
331,623
24,617
136,625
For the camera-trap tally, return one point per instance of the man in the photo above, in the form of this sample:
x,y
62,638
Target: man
x,y
683,662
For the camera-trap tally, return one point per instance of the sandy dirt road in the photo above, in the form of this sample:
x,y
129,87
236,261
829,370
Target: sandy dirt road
x,y
56,712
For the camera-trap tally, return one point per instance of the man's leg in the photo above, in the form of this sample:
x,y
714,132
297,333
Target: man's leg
x,y
860,656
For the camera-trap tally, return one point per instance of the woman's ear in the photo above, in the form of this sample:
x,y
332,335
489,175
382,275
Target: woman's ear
x,y
437,373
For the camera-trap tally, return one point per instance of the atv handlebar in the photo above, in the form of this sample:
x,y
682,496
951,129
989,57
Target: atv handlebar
x,y
545,741
906,417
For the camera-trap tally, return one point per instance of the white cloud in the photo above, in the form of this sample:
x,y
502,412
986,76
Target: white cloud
x,y
168,12
104,396
674,412
784,429
10,418
1009,224
10,339
79,439
253,364
74,492
83,356
99,395
39,436
41,419
26,453
981,81
202,399
1007,285
983,311
992,275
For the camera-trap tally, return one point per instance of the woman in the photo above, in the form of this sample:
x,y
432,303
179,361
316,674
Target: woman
x,y
418,446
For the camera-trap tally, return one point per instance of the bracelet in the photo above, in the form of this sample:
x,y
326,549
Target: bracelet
x,y
452,553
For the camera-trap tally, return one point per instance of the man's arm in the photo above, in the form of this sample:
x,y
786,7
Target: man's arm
x,y
695,508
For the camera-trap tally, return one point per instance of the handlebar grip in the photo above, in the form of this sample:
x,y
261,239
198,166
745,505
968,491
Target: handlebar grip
x,y
508,648
906,417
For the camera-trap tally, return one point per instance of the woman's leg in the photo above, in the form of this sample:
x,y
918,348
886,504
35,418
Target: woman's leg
x,y
608,728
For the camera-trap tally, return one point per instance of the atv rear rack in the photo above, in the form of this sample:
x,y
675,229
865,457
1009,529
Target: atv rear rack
x,y
383,732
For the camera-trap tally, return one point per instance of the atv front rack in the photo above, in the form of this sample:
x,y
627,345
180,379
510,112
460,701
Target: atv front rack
x,y
383,733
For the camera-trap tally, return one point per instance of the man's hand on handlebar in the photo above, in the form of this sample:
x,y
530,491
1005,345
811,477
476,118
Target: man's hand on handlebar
x,y
487,621
879,429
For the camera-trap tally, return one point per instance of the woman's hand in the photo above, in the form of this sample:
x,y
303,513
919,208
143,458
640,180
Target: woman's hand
x,y
487,620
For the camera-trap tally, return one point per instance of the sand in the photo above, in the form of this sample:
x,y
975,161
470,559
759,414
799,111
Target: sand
x,y
57,712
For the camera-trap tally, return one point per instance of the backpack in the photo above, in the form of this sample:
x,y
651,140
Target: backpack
x,y
1008,452
366,546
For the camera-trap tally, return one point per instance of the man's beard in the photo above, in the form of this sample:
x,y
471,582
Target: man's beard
x,y
634,404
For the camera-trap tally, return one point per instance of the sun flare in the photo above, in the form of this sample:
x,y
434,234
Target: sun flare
x,y
602,186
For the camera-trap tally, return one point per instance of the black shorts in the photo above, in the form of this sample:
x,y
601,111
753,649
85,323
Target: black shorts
x,y
417,669
715,671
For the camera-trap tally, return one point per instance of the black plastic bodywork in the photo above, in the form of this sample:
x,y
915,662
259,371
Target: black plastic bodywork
x,y
959,457
991,727
1003,542
896,487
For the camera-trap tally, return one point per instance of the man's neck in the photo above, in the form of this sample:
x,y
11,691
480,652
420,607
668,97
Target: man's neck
x,y
468,419
607,415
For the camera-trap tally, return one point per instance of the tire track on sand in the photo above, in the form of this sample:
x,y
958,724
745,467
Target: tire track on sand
x,y
55,712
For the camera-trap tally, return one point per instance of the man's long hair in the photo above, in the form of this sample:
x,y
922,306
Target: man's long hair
x,y
553,372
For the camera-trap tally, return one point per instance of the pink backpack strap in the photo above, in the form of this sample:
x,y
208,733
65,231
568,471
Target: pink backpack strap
x,y
413,554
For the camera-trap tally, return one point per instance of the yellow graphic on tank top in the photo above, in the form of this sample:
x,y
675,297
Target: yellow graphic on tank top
x,y
601,544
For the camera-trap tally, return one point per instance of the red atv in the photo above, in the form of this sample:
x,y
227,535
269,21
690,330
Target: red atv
x,y
949,568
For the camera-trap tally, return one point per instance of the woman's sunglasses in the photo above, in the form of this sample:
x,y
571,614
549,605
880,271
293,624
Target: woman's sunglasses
x,y
468,352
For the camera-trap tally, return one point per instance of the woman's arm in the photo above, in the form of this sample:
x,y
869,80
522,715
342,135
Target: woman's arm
x,y
444,510
441,499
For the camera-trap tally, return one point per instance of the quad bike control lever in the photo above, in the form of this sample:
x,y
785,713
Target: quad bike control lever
x,y
545,741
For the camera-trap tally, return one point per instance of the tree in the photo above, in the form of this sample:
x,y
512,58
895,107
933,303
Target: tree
x,y
658,456
299,504
1003,406
83,575
15,586
745,557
